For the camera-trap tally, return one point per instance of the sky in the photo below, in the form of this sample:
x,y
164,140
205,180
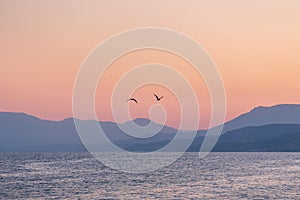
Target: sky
x,y
255,45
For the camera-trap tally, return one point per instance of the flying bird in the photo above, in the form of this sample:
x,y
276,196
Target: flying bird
x,y
132,99
158,98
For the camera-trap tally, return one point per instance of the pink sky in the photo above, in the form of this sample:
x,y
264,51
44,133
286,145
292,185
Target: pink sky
x,y
255,45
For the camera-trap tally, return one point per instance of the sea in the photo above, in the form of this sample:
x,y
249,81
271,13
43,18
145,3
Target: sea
x,y
217,176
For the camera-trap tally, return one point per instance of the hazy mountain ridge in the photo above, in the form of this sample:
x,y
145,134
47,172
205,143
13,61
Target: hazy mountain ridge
x,y
22,132
278,114
272,137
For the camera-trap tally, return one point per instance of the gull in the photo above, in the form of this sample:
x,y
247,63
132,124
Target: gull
x,y
158,98
132,99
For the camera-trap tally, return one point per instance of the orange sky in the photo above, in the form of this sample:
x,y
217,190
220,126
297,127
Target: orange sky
x,y
255,45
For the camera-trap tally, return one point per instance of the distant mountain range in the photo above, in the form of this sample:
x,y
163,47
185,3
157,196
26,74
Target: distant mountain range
x,y
278,114
275,128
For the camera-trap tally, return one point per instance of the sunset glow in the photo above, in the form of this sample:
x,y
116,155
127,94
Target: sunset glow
x,y
255,45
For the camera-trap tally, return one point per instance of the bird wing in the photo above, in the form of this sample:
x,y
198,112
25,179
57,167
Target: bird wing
x,y
134,100
156,96
161,97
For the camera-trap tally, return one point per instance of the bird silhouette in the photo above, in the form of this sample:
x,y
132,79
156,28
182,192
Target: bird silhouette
x,y
132,99
158,98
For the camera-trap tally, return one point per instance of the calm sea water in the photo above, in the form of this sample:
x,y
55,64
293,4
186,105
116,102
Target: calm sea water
x,y
218,176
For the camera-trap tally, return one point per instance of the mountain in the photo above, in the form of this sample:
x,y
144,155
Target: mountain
x,y
262,126
278,114
22,132
273,137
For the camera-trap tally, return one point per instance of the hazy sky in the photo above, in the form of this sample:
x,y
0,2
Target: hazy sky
x,y
255,44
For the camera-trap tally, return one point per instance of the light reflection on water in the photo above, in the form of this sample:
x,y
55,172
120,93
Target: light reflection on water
x,y
219,175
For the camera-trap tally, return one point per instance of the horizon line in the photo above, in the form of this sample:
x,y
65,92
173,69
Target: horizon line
x,y
68,118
